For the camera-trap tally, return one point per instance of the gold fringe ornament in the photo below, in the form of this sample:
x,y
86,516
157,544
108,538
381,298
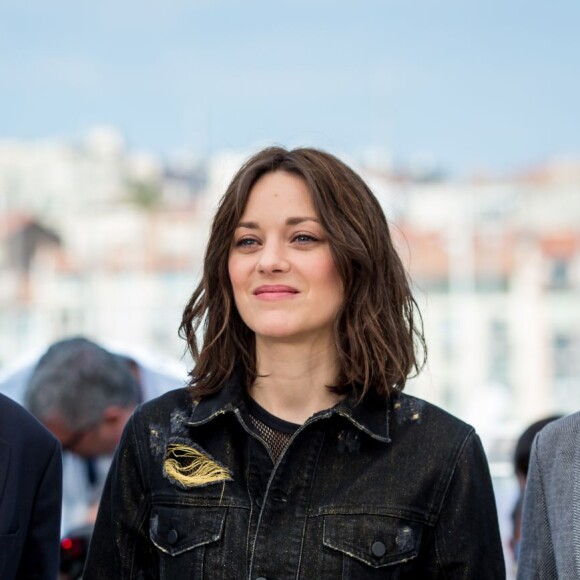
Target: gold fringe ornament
x,y
189,467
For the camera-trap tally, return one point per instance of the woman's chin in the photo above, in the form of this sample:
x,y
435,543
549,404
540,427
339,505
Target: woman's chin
x,y
277,333
292,334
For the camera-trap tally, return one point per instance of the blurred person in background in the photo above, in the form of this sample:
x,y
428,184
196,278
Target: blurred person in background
x,y
550,544
84,394
30,496
295,454
521,463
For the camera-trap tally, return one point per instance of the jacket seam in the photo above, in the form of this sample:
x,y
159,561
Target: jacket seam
x,y
460,449
141,515
447,475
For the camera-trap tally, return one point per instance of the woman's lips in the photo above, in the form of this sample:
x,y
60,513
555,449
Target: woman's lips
x,y
274,292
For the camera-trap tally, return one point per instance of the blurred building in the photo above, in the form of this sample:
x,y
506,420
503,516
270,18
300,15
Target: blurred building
x,y
95,239
496,266
100,240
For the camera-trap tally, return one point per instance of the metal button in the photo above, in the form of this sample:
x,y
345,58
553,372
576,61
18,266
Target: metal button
x,y
172,537
378,549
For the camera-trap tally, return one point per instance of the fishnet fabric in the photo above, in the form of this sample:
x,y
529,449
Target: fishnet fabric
x,y
274,439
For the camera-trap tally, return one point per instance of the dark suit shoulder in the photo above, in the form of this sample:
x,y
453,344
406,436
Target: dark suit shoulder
x,y
19,426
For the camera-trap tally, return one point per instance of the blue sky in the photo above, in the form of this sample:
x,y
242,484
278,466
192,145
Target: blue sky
x,y
475,84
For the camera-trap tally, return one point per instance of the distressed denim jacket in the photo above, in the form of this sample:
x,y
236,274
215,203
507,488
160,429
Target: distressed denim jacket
x,y
397,490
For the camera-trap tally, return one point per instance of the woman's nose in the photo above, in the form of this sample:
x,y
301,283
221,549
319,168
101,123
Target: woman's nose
x,y
273,258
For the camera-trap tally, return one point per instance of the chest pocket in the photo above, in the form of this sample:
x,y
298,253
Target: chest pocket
x,y
372,546
181,533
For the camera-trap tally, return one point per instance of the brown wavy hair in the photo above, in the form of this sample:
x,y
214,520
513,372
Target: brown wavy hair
x,y
378,331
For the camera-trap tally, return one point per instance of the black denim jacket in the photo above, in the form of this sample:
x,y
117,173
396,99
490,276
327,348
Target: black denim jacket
x,y
399,490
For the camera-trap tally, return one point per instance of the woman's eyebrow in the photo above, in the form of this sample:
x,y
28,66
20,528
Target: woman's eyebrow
x,y
294,221
291,221
248,225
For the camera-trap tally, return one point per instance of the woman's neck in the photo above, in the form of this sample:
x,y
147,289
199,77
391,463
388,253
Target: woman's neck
x,y
292,379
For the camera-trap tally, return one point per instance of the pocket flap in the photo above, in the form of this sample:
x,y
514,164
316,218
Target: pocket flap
x,y
177,529
8,541
375,540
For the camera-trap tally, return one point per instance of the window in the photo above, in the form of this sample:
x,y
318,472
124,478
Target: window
x,y
566,370
499,352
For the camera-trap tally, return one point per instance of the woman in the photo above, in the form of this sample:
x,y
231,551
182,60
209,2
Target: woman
x,y
295,455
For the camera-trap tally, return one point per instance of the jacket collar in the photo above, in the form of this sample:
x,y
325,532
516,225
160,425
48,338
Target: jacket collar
x,y
226,400
371,417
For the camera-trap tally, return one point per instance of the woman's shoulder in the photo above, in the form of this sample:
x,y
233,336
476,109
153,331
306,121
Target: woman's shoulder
x,y
417,424
178,402
407,409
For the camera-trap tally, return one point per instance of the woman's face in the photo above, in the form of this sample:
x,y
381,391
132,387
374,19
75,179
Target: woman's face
x,y
283,276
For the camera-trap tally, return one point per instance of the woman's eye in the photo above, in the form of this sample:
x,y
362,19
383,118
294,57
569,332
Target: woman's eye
x,y
304,238
246,243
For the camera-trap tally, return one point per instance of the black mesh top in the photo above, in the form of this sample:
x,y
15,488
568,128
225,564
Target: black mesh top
x,y
274,431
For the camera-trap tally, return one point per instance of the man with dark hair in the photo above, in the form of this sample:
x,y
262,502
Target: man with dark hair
x,y
30,496
524,447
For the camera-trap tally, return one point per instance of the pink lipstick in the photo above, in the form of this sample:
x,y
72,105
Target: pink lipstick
x,y
274,292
